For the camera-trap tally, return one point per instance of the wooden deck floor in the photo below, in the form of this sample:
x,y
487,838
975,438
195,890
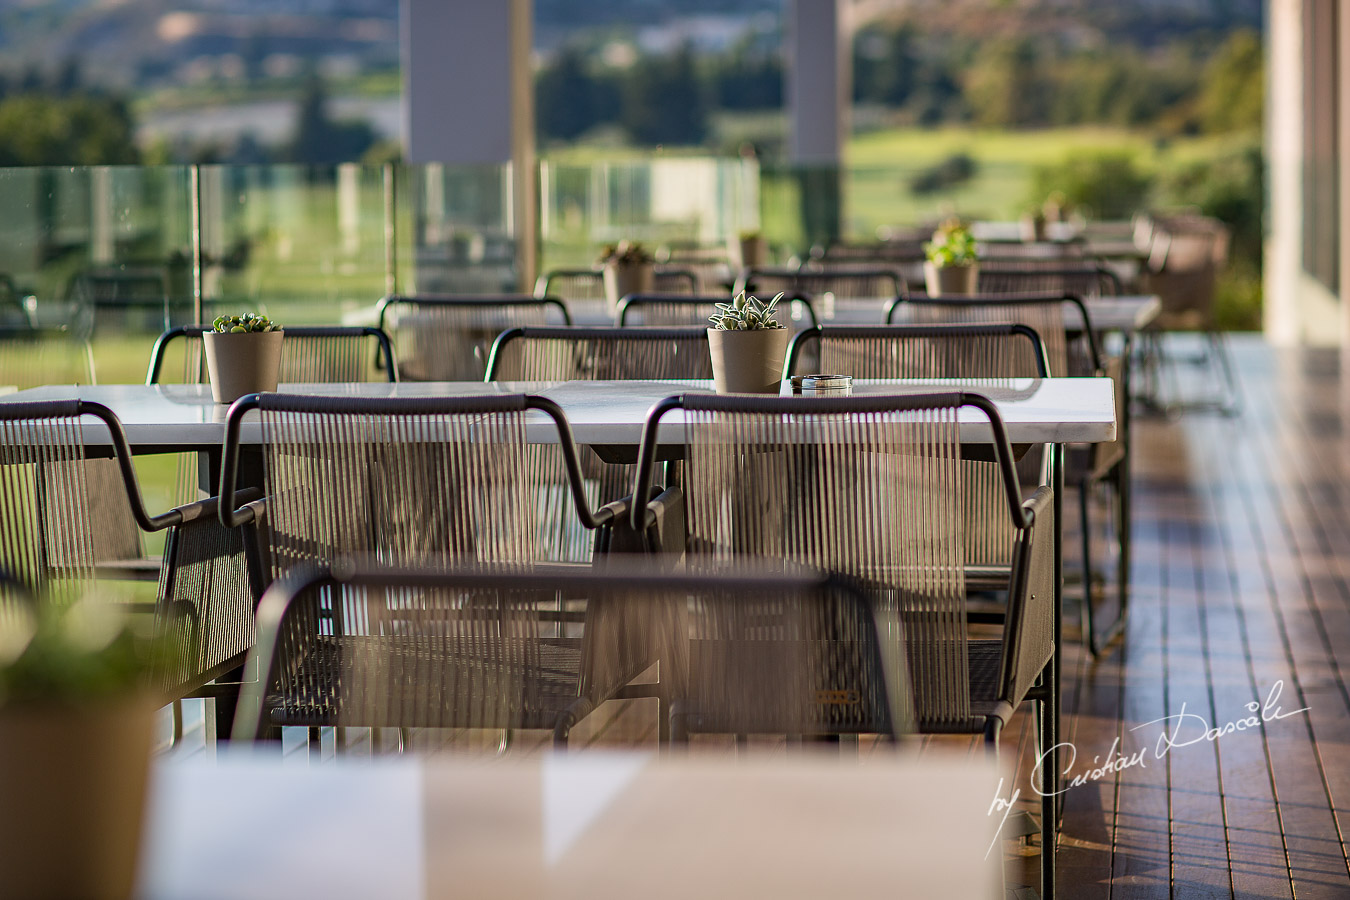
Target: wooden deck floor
x,y
1241,583
1241,587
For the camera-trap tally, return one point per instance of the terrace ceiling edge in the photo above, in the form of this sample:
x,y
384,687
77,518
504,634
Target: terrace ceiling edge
x,y
468,98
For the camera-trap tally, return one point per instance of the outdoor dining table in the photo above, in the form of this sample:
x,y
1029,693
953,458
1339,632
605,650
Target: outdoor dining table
x,y
609,417
168,418
597,824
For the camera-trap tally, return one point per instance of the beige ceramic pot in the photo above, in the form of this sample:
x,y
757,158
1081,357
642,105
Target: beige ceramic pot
x,y
1032,228
72,795
622,279
946,281
754,251
240,364
748,362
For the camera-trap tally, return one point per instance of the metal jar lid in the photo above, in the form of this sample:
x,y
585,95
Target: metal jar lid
x,y
822,384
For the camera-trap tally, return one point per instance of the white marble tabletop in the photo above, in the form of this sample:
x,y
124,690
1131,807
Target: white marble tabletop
x,y
609,413
589,825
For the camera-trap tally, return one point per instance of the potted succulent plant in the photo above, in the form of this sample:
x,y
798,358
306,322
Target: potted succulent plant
x,y
243,355
754,249
748,346
952,265
628,269
76,726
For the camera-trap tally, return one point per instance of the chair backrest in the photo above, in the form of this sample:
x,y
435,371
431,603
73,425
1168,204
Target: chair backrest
x,y
989,354
412,479
1000,351
447,337
739,651
589,284
1088,279
1187,254
310,354
64,509
893,252
668,309
1055,317
865,486
711,263
845,282
599,354
672,309
1032,250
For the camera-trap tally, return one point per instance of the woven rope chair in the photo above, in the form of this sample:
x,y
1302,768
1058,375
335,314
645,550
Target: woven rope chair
x,y
409,479
600,354
589,284
309,355
411,647
992,354
1186,255
1086,279
869,487
34,357
447,337
1065,326
845,282
711,263
55,516
671,309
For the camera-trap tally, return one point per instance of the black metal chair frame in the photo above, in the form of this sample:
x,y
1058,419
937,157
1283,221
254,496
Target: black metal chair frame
x,y
384,348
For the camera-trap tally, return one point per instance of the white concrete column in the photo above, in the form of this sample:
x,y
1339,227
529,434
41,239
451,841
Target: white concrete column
x,y
819,81
1343,63
1284,154
468,96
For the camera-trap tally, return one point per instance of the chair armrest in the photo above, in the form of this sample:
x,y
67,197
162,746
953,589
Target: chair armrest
x,y
664,531
1028,636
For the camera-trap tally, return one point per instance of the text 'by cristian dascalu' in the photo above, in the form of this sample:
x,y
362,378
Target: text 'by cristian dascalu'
x,y
1183,729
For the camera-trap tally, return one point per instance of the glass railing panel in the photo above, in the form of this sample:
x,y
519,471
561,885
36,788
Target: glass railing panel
x,y
305,244
456,230
676,202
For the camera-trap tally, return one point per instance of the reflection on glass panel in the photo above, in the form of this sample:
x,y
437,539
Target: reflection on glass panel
x,y
305,244
460,234
92,255
696,201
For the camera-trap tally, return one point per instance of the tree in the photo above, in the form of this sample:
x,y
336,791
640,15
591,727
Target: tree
x,y
567,97
663,101
1005,86
81,130
317,139
1232,90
